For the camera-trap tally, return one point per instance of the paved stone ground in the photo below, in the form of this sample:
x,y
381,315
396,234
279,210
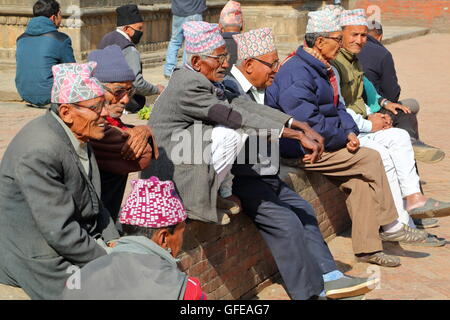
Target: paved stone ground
x,y
425,272
422,65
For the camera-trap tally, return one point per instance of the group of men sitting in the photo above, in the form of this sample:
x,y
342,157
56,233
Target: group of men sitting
x,y
217,131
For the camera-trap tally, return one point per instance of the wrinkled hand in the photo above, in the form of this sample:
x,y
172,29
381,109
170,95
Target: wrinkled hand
x,y
312,147
393,107
136,143
380,121
353,143
310,133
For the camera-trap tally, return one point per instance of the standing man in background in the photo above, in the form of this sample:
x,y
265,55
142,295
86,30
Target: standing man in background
x,y
130,26
182,11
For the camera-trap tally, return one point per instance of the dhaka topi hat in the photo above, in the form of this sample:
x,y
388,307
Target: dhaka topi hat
x,y
111,65
231,14
152,204
323,21
254,43
355,17
336,9
128,14
73,82
202,36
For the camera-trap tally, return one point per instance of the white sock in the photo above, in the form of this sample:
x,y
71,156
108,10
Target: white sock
x,y
392,227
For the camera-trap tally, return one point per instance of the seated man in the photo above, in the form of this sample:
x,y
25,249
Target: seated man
x,y
286,221
306,88
231,23
127,35
39,48
125,148
379,68
393,144
351,74
142,264
194,109
51,216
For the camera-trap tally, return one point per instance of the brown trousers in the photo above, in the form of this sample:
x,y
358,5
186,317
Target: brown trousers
x,y
362,178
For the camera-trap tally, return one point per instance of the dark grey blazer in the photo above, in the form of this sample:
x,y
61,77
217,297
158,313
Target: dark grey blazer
x,y
190,97
50,212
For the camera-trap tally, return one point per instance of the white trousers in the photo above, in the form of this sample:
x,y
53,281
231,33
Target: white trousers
x,y
394,146
225,147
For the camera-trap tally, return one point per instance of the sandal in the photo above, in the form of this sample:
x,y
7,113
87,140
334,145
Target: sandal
x,y
431,241
405,235
431,209
426,223
380,258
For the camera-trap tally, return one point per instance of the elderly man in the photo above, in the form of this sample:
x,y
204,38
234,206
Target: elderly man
x,y
51,216
352,86
125,148
231,23
142,264
379,68
130,26
284,219
393,144
194,109
306,88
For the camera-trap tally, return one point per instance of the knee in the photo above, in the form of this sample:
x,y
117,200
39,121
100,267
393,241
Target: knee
x,y
400,136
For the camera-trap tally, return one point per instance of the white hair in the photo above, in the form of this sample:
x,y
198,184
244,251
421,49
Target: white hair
x,y
201,54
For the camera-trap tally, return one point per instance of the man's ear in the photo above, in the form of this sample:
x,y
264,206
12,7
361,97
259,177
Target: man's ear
x,y
196,62
319,43
221,28
249,66
160,237
65,113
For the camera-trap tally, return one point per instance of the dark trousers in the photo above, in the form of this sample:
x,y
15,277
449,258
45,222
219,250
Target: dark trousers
x,y
137,102
289,226
406,121
113,188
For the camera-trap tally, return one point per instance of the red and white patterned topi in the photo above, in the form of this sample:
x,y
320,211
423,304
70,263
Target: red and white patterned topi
x,y
152,204
254,43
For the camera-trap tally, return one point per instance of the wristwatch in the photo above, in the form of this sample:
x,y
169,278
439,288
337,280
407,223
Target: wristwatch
x,y
384,102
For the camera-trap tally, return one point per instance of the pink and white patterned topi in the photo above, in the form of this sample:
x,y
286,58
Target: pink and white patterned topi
x,y
254,43
202,36
231,14
73,82
152,204
355,17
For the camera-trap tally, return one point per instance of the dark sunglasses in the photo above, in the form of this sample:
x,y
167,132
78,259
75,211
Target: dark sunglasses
x,y
273,66
120,93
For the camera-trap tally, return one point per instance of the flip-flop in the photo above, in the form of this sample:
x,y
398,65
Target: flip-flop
x,y
430,210
426,223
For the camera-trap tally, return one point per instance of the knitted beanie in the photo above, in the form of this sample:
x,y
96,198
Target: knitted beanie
x,y
111,65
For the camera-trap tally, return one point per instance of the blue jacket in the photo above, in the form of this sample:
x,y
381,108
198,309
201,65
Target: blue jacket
x,y
301,89
38,49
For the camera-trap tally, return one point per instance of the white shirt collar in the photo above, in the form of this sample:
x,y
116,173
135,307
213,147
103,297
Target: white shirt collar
x,y
123,33
247,86
238,75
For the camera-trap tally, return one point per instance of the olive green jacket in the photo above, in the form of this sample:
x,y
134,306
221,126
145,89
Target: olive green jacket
x,y
352,81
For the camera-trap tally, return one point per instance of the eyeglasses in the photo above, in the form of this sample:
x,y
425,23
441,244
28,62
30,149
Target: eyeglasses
x,y
273,66
221,58
96,108
337,39
120,93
